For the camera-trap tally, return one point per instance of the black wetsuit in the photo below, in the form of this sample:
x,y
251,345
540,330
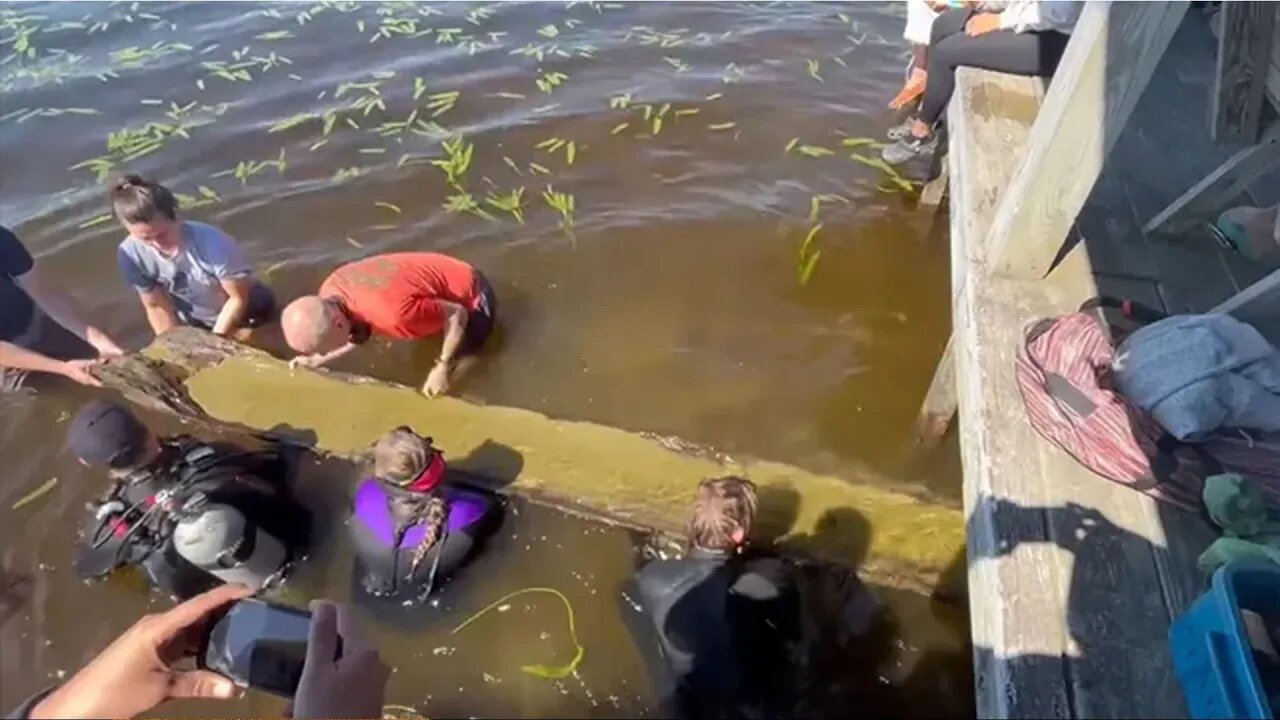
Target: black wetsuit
x,y
716,632
130,526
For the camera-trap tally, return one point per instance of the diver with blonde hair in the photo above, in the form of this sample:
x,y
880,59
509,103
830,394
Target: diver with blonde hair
x,y
411,530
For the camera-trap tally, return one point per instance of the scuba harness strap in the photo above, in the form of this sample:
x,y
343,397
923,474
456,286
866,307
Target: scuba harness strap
x,y
151,517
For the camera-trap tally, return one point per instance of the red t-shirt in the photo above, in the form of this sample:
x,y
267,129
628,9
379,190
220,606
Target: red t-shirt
x,y
397,295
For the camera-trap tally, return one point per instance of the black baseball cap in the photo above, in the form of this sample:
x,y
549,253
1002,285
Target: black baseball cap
x,y
104,433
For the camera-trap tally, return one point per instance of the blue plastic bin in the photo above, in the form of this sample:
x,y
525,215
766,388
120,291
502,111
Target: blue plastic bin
x,y
1211,653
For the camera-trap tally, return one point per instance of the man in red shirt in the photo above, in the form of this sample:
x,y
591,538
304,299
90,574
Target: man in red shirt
x,y
405,296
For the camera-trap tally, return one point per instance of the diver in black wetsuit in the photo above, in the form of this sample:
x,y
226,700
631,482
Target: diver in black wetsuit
x,y
189,514
719,624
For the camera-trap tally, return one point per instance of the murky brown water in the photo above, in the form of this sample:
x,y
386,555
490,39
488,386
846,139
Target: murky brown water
x,y
675,306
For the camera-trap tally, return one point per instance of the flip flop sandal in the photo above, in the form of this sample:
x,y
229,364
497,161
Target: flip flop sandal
x,y
1233,237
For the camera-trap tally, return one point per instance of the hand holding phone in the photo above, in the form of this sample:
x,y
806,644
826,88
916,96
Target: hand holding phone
x,y
138,671
344,677
320,659
260,645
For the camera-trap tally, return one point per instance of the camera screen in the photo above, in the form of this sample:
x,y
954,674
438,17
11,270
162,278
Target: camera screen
x,y
260,645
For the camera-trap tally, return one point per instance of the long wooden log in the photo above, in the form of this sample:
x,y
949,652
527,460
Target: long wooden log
x,y
617,476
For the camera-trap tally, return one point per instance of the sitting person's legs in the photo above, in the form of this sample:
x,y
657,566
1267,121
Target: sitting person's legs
x,y
1027,53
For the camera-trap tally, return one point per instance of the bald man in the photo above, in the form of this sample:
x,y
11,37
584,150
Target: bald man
x,y
404,296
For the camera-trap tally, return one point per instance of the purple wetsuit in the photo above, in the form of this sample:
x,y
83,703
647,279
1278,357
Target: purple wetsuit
x,y
388,570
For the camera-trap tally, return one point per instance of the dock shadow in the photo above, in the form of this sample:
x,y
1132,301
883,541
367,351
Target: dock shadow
x,y
1097,625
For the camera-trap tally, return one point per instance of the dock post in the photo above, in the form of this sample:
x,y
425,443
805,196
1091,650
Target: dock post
x,y
940,402
1111,56
1240,82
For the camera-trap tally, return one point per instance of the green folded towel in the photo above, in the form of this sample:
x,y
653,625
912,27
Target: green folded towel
x,y
1236,506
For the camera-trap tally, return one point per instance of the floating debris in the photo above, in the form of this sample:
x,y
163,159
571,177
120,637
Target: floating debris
x,y
292,121
246,169
550,81
619,128
388,206
34,495
94,222
441,103
723,126
814,151
812,67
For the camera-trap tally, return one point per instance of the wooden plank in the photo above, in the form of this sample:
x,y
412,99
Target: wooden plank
x,y
939,405
1067,600
936,189
991,117
1113,51
1244,59
1211,195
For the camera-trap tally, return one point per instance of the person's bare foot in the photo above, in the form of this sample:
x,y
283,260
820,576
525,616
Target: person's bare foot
x,y
912,89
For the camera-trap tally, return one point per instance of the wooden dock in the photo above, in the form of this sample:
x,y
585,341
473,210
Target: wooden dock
x,y
1096,186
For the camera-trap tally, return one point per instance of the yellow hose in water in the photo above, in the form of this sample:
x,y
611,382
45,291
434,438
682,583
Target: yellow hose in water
x,y
549,672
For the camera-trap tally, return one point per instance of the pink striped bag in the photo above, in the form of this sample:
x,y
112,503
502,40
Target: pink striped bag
x,y
1063,371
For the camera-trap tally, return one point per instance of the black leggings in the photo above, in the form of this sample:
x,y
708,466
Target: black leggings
x,y
1019,53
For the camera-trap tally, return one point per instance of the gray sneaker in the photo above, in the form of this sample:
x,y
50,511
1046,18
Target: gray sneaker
x,y
908,148
901,130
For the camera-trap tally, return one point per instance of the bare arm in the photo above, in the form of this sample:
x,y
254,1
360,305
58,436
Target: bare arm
x,y
455,329
20,358
159,309
437,382
234,309
65,312
322,358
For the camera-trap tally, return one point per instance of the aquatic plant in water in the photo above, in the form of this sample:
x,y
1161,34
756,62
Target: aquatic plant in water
x,y
456,162
246,169
562,203
464,203
512,202
807,257
128,144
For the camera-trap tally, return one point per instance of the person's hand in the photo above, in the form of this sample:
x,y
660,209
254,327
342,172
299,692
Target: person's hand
x,y
136,672
306,361
79,371
981,24
437,380
106,347
343,677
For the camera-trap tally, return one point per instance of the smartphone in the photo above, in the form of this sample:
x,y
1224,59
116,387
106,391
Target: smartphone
x,y
259,645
